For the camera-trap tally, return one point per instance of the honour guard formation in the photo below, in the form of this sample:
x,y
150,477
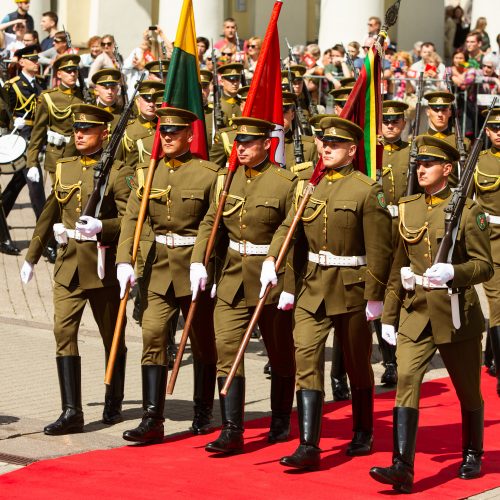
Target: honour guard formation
x,y
233,195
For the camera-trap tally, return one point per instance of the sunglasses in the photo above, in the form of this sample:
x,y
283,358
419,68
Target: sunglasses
x,y
57,40
252,46
106,44
70,70
229,54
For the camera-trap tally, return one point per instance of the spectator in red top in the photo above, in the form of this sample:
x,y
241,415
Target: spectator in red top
x,y
230,29
473,46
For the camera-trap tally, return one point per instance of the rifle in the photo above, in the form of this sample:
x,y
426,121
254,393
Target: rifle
x,y
391,17
81,82
458,130
103,167
123,85
163,58
411,187
298,147
311,107
218,116
453,212
350,62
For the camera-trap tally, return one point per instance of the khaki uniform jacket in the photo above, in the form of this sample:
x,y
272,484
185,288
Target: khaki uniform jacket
x,y
53,112
487,190
116,111
179,199
254,209
346,216
73,186
209,123
395,171
230,108
131,151
308,145
421,230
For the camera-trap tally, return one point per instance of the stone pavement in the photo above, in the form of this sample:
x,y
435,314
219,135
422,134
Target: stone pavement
x,y
29,393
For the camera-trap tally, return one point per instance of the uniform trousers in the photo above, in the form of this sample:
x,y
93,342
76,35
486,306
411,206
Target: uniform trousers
x,y
231,322
158,311
69,302
461,359
492,292
310,335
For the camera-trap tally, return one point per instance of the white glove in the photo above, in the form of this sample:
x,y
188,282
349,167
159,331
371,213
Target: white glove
x,y
90,228
407,278
213,292
374,309
19,123
60,234
125,274
389,334
198,277
286,302
26,272
439,274
33,174
267,276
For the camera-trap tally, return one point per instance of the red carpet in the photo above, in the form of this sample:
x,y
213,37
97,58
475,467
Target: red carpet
x,y
180,468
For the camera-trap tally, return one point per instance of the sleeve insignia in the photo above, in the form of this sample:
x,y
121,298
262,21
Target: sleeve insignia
x,y
381,200
482,221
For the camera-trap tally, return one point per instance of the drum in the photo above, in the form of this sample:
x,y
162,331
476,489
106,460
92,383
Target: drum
x,y
12,153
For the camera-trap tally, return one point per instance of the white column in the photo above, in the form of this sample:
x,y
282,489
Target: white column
x,y
36,10
344,21
488,9
208,16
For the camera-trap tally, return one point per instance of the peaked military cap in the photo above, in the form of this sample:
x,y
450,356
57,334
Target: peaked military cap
x,y
174,119
243,92
393,110
148,87
297,70
430,148
315,120
249,129
158,97
341,95
348,82
289,99
28,52
441,98
205,76
494,119
230,70
154,67
88,116
67,62
107,76
337,129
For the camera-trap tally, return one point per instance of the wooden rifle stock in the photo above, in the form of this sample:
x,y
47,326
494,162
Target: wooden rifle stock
x,y
308,191
194,303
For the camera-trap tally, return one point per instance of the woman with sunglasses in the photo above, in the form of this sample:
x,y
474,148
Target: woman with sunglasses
x,y
106,59
251,56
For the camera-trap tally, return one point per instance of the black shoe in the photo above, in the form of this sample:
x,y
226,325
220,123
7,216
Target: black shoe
x,y
279,430
390,375
232,406
154,385
472,443
340,388
50,253
112,413
204,388
491,369
309,407
282,393
361,444
71,418
362,416
267,369
404,433
470,467
9,248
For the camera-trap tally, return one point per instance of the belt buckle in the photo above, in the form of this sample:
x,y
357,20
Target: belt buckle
x,y
169,240
78,235
322,258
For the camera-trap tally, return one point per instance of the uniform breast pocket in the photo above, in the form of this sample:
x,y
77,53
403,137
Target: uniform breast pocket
x,y
192,201
157,206
267,210
344,213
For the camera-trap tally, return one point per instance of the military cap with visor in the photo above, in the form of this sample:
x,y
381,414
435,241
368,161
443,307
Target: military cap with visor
x,y
297,71
289,99
108,77
29,52
430,148
154,67
148,87
494,118
315,120
348,82
393,110
88,116
341,95
441,99
336,129
243,92
231,71
249,129
205,76
158,97
174,119
67,62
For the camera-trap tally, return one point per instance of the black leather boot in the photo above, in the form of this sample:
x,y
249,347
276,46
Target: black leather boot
x,y
310,410
362,416
154,386
390,375
70,382
204,388
171,345
282,392
472,443
338,376
232,408
112,413
6,244
404,431
495,347
489,362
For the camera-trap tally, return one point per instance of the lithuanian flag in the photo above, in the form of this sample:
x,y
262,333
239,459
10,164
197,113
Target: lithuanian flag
x,y
183,88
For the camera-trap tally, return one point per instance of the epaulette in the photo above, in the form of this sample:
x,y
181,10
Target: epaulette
x,y
68,158
406,199
284,173
300,166
48,91
12,80
131,120
469,202
364,178
483,152
210,165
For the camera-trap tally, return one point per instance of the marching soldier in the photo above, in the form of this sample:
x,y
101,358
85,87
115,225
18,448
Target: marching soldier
x,y
157,70
419,296
106,88
230,79
487,182
84,269
439,114
53,123
298,71
182,190
340,97
259,198
347,227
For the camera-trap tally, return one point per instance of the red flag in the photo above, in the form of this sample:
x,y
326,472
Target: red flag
x,y
265,99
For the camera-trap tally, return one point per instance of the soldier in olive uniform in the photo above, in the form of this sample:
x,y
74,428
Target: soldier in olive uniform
x,y
230,79
439,113
206,84
438,308
157,70
259,199
487,187
340,97
182,190
84,269
106,88
347,227
296,85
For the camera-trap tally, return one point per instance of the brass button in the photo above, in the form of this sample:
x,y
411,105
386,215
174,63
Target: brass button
x,y
244,211
323,247
389,166
426,255
244,226
360,279
192,196
248,181
79,183
169,186
329,183
78,210
84,169
426,240
267,202
172,171
429,208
